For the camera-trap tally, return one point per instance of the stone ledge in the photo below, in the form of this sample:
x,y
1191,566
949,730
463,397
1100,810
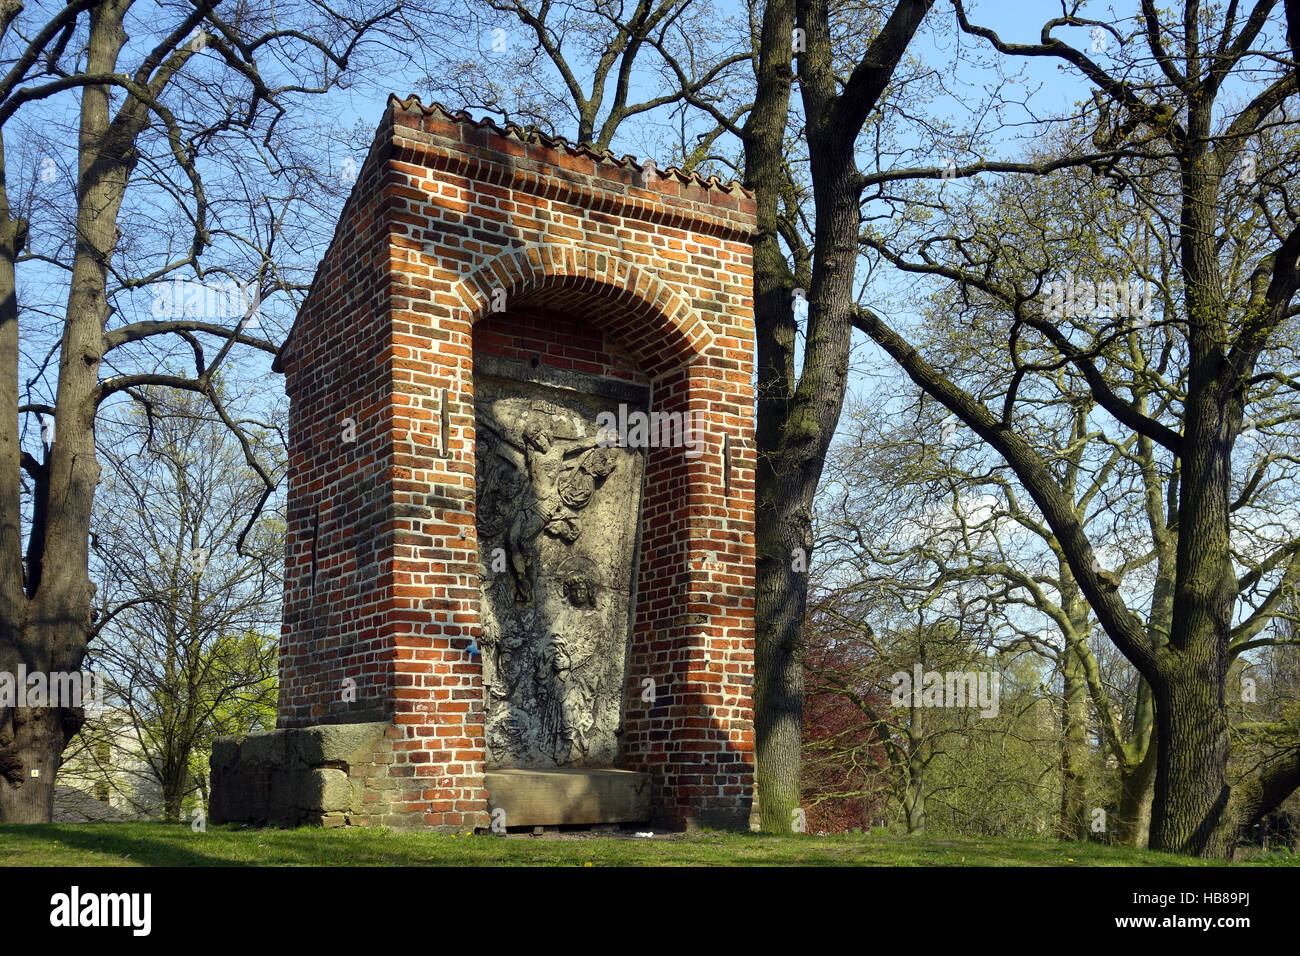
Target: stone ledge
x,y
569,796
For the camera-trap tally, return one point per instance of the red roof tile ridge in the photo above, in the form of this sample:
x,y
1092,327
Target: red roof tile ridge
x,y
413,102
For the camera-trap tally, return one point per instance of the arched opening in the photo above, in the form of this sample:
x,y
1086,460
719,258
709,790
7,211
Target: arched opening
x,y
569,427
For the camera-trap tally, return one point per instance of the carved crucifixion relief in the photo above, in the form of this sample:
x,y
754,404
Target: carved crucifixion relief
x,y
558,512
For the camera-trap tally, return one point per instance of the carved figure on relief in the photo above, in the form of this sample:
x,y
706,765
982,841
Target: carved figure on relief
x,y
555,490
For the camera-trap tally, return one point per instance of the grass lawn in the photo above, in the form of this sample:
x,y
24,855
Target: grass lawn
x,y
157,844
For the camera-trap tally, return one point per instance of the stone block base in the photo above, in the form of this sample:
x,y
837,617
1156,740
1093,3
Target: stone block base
x,y
310,776
571,796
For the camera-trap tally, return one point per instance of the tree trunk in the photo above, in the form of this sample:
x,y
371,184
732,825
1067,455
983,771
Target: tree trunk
x,y
30,746
1134,825
778,674
1074,822
173,800
1191,792
49,631
914,796
23,798
797,421
1191,789
778,686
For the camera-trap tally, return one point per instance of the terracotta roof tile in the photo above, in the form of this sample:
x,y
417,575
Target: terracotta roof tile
x,y
512,130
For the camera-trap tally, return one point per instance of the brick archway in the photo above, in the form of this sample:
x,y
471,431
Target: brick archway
x,y
655,323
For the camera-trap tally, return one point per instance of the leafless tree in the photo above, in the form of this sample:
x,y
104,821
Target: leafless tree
x,y
192,156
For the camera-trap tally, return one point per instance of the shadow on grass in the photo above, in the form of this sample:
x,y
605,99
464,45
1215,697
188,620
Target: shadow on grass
x,y
155,846
169,844
176,845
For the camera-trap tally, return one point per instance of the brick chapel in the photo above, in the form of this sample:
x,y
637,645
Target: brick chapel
x,y
500,612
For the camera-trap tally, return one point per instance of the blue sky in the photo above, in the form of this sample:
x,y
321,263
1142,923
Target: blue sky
x,y
358,108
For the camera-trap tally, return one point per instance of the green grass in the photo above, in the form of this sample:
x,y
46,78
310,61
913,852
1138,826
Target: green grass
x,y
156,844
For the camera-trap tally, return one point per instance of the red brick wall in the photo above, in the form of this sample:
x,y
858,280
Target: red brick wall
x,y
648,280
557,340
338,562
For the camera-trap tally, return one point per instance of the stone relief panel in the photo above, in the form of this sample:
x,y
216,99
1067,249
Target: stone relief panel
x,y
558,515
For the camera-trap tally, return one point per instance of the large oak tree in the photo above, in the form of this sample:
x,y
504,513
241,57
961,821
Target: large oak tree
x,y
1162,98
184,158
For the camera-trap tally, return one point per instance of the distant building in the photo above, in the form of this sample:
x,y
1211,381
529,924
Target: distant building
x,y
104,774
